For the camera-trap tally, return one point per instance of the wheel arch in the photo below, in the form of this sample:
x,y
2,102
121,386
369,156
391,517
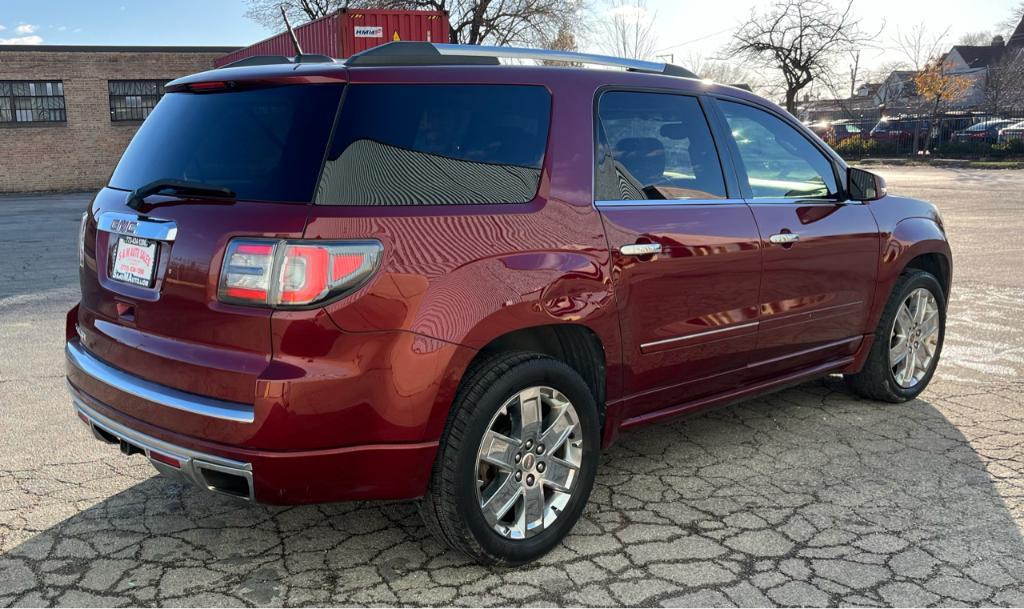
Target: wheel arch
x,y
577,345
914,243
935,263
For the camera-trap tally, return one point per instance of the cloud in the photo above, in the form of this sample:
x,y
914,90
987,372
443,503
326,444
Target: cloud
x,y
25,28
62,28
2,28
22,40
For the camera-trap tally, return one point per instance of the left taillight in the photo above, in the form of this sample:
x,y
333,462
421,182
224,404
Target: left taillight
x,y
289,274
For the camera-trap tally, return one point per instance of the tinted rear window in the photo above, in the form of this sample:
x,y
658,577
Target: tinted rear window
x,y
264,144
437,144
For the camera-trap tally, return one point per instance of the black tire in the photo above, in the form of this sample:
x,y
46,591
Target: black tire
x,y
876,380
451,508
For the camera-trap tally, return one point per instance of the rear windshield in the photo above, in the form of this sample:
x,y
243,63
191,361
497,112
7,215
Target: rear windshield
x,y
437,144
264,144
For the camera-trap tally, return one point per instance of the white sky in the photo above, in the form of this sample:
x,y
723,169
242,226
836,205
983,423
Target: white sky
x,y
704,26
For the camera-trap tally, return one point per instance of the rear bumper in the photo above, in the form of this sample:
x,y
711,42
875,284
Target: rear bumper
x,y
206,471
376,471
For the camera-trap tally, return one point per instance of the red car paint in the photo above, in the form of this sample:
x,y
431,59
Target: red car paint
x,y
350,399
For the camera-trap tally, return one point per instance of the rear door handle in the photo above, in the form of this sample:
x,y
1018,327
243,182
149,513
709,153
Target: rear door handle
x,y
784,238
640,249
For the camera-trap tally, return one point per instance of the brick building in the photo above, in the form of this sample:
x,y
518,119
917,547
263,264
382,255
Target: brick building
x,y
67,112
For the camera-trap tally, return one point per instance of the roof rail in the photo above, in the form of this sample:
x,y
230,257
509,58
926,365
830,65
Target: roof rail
x,y
426,53
267,60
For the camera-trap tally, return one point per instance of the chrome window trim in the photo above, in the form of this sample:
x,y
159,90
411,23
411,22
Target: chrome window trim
x,y
798,200
158,394
667,202
146,228
192,462
685,337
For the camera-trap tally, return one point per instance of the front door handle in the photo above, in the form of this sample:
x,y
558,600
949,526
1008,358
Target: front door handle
x,y
640,249
784,238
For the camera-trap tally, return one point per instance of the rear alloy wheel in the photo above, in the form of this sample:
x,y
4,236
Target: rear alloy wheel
x,y
528,462
908,341
517,461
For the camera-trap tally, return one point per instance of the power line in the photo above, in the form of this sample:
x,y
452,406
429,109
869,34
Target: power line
x,y
706,37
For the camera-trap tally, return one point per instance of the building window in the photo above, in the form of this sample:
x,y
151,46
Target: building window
x,y
31,101
133,100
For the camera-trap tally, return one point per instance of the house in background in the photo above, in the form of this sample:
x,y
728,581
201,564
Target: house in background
x,y
978,64
898,93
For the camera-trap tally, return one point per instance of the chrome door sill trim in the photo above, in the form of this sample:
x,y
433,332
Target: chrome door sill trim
x,y
675,339
103,372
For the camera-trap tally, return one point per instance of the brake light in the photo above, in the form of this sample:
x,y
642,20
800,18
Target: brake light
x,y
213,85
294,273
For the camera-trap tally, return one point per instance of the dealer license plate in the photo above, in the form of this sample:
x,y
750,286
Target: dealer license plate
x,y
134,261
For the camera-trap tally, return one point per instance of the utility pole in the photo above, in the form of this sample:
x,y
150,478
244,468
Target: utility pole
x,y
853,72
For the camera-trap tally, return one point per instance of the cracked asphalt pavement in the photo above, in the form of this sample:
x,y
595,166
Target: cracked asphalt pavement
x,y
810,496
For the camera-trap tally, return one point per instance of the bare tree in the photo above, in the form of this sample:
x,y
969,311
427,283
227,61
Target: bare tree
x,y
268,12
919,45
802,39
1004,82
628,29
975,39
497,22
1011,22
718,70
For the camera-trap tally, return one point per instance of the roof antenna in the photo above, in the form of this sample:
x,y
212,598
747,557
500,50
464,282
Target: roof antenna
x,y
291,32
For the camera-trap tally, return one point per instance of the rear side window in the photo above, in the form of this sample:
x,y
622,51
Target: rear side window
x,y
437,145
655,146
265,144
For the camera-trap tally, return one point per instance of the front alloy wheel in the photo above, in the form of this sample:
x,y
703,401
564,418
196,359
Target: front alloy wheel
x,y
915,338
907,342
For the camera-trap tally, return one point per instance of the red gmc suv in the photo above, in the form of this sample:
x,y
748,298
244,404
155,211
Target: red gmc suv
x,y
419,274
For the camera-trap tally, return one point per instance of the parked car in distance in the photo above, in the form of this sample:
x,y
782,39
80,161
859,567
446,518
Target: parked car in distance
x,y
422,275
1011,132
899,129
984,132
839,131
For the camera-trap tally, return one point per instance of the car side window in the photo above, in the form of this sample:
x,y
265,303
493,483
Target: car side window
x,y
655,146
778,160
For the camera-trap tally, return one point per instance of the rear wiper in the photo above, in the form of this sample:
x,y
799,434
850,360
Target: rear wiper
x,y
138,196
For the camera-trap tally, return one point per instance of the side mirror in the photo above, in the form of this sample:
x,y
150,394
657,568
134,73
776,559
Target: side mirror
x,y
864,186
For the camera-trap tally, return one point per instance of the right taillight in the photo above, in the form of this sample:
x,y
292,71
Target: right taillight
x,y
285,274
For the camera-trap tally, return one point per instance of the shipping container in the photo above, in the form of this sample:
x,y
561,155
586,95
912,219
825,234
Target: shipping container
x,y
349,31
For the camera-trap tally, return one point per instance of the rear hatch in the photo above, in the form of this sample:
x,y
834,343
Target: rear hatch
x,y
149,280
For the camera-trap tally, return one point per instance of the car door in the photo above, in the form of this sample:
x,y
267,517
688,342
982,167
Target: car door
x,y
820,252
686,251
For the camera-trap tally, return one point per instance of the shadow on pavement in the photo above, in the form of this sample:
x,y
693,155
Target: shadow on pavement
x,y
806,497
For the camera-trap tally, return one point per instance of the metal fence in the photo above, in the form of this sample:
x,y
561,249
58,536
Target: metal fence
x,y
966,134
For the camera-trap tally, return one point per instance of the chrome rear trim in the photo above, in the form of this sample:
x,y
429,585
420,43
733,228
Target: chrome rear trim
x,y
192,462
154,392
134,225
